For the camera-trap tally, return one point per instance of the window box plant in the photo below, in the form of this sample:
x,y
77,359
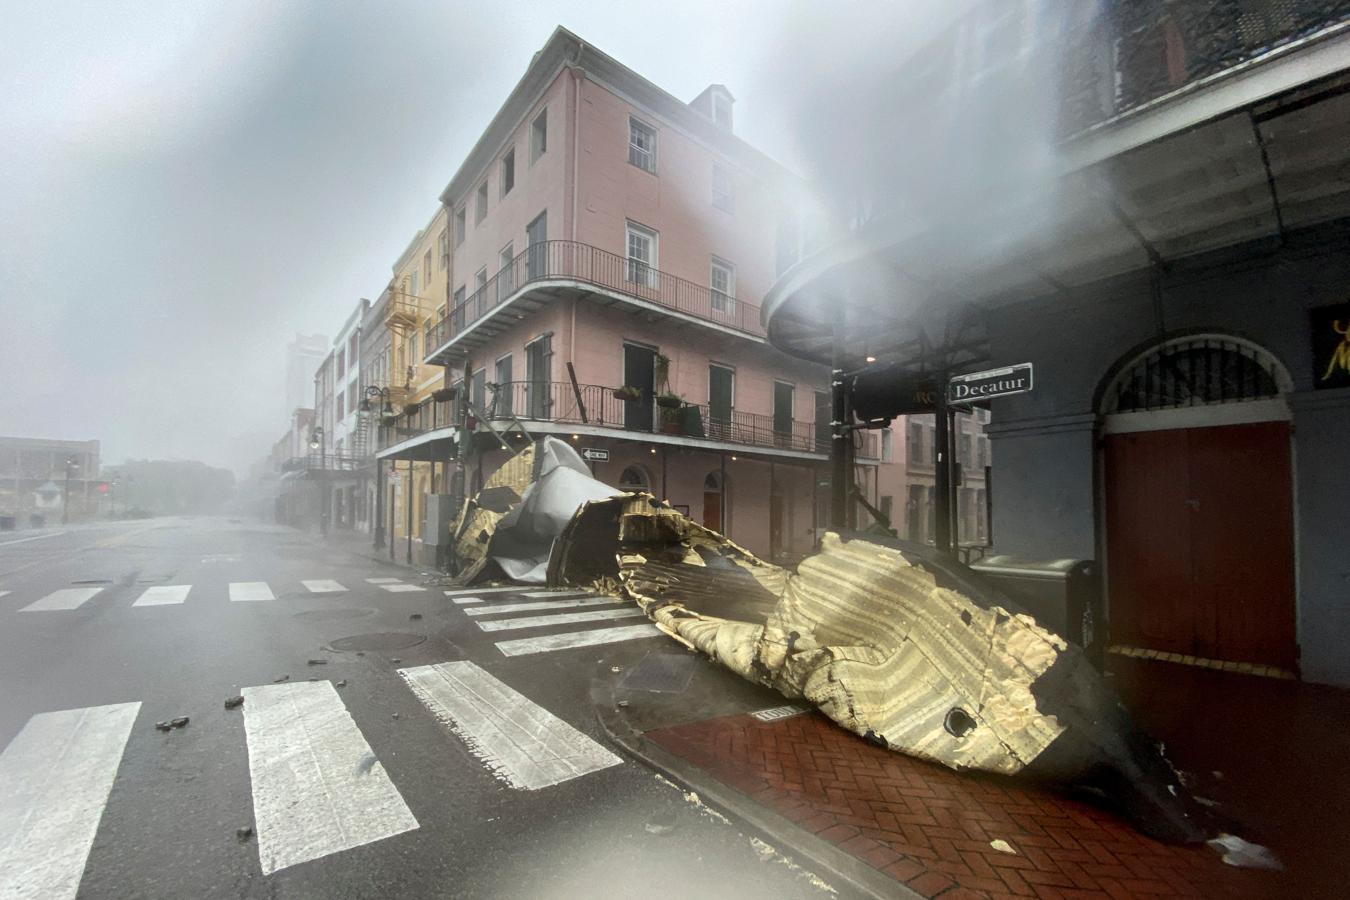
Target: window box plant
x,y
627,392
443,395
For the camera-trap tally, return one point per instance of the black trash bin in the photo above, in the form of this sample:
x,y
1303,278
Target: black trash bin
x,y
1064,595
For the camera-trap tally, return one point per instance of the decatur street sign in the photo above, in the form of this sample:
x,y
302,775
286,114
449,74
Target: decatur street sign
x,y
993,383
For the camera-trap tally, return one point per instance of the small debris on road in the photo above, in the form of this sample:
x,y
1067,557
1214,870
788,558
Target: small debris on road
x,y
313,679
342,683
415,616
395,715
1002,846
395,660
360,653
281,679
318,662
179,721
244,833
616,669
163,726
623,704
234,702
661,824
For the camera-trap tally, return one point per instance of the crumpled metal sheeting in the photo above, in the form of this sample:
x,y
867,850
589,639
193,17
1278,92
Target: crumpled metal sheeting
x,y
479,518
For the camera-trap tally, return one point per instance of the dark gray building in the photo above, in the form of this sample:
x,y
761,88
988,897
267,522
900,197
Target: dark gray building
x,y
1176,266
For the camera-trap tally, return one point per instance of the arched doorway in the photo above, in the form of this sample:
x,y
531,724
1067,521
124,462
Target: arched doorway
x,y
714,515
1198,502
635,478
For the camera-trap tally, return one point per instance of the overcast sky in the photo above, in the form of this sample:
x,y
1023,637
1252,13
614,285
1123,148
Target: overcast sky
x,y
184,186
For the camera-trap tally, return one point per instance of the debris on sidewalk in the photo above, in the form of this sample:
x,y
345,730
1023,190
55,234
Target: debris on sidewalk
x,y
415,616
234,702
317,662
243,834
281,679
1243,854
1002,846
179,722
342,682
163,726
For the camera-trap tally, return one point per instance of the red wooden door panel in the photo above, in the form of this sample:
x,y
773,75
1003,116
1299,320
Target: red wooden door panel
x,y
1242,542
1199,537
1148,541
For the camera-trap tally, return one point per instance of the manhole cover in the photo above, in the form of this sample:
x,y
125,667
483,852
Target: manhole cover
x,y
661,673
386,640
334,615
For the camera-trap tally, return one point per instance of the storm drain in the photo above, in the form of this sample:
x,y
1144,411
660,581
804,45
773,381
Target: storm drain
x,y
385,640
661,673
334,615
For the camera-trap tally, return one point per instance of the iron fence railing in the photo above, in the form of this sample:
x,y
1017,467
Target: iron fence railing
x,y
327,462
1131,52
581,262
607,407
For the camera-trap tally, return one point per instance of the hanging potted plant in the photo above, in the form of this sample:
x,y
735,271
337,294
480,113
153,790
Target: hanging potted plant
x,y
669,400
389,421
627,392
410,409
443,395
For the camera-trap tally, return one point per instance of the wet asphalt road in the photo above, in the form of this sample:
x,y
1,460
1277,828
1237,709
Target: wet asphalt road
x,y
169,826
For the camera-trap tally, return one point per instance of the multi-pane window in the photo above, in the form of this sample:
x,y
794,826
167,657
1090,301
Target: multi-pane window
x,y
443,245
915,442
508,178
351,349
886,449
480,208
722,195
480,279
459,297
539,135
722,278
506,275
642,255
339,406
341,363
426,268
641,145
416,292
461,225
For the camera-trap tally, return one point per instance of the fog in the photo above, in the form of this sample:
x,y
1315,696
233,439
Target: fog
x,y
185,186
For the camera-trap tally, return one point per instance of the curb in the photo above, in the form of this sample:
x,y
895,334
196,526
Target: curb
x,y
784,834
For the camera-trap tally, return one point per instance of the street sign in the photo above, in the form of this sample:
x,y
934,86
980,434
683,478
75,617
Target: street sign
x,y
994,383
593,455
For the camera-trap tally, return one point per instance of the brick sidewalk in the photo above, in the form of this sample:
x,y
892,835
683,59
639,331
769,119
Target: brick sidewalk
x,y
931,828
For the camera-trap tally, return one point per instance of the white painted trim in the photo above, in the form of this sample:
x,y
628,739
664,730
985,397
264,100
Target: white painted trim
x,y
1273,409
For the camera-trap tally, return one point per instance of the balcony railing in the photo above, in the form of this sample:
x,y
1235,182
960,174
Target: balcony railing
x,y
557,401
1135,51
569,260
325,462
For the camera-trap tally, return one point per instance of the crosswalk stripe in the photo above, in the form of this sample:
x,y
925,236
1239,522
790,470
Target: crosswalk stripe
x,y
247,591
555,593
323,586
383,580
567,641
463,600
540,604
4,593
487,590
595,615
522,743
163,595
317,787
66,598
402,588
55,777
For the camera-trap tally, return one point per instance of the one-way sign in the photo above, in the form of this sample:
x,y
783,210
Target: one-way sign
x,y
993,383
594,455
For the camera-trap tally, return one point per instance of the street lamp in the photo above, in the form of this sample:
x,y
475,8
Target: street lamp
x,y
372,391
316,438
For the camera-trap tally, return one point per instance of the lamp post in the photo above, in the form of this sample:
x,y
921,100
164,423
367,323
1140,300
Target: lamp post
x,y
374,392
71,465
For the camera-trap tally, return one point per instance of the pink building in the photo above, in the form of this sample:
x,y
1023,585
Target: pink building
x,y
609,248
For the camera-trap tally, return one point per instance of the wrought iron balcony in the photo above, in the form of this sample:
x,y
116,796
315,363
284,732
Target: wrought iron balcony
x,y
569,261
604,407
1132,52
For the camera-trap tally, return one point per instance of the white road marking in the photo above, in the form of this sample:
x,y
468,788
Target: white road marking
x,y
66,598
555,593
221,558
522,743
463,600
317,787
595,615
163,595
323,586
402,588
36,537
487,590
55,777
550,642
245,591
383,580
540,604
4,593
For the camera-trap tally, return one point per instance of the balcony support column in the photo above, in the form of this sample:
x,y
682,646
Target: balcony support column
x,y
841,440
942,466
379,504
409,502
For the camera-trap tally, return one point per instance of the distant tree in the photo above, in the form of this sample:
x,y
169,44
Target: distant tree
x,y
173,487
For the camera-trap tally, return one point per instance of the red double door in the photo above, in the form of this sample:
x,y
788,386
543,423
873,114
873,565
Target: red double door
x,y
1199,538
